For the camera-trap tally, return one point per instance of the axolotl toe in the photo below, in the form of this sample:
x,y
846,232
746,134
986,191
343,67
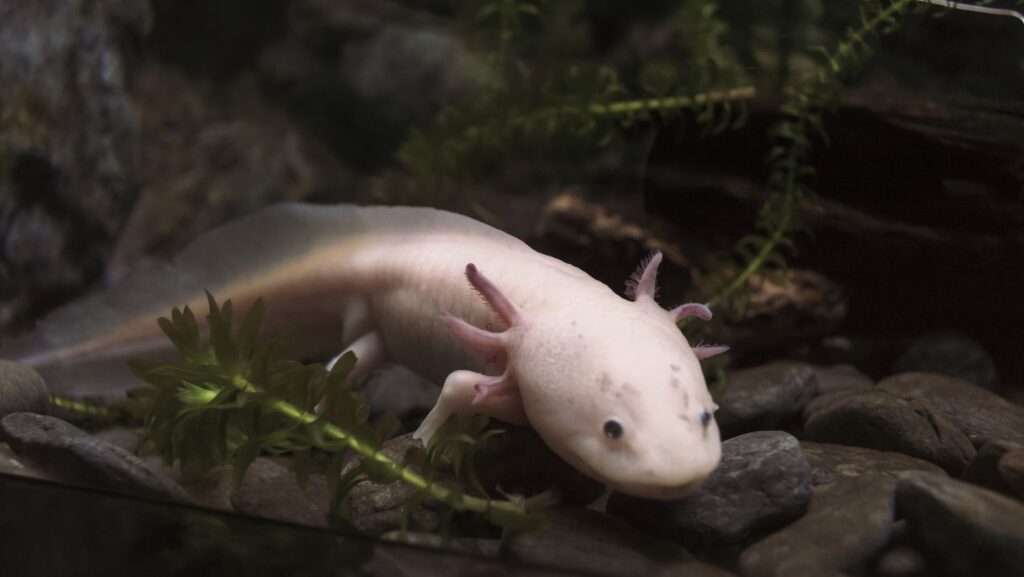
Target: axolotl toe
x,y
610,383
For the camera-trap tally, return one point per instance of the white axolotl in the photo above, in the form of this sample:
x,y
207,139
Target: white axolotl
x,y
610,384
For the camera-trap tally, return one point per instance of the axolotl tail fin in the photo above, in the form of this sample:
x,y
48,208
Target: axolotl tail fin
x,y
81,348
303,259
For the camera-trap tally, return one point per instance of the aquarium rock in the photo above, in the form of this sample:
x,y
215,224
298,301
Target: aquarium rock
x,y
764,397
580,540
66,452
124,437
835,463
877,419
986,468
963,529
377,509
848,522
763,482
22,390
950,353
841,378
982,415
396,390
1011,468
271,490
69,138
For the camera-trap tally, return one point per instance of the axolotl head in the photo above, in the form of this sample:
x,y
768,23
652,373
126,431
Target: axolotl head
x,y
618,393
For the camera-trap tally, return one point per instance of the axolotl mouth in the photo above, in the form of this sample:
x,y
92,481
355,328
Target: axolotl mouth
x,y
653,490
624,474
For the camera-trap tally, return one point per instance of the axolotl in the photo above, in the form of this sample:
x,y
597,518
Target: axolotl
x,y
610,383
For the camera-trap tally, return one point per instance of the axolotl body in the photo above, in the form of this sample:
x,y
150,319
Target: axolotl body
x,y
609,383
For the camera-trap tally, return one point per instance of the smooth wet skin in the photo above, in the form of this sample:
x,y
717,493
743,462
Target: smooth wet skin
x,y
639,418
610,383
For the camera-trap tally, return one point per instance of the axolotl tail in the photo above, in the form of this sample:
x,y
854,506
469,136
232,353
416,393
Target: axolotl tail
x,y
80,348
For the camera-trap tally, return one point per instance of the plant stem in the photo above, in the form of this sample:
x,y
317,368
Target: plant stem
x,y
671,102
802,103
83,408
755,263
486,507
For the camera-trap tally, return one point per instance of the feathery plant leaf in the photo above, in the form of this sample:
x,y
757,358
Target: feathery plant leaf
x,y
232,397
543,108
793,138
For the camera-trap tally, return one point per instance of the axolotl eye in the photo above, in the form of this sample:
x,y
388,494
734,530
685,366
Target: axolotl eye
x,y
612,429
705,418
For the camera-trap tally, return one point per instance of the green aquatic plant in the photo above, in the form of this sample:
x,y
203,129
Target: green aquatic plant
x,y
80,412
801,129
232,397
537,107
793,138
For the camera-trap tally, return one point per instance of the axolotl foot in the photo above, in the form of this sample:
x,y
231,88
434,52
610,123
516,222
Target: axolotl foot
x,y
467,393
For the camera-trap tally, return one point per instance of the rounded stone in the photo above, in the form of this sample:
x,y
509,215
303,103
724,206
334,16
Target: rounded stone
x,y
580,540
272,491
831,463
950,353
848,523
1011,469
466,545
982,415
22,390
900,562
377,509
66,452
986,468
128,439
764,397
827,400
877,419
841,378
962,529
396,390
763,482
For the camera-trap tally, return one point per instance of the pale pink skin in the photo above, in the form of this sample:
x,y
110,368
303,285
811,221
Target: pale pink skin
x,y
547,345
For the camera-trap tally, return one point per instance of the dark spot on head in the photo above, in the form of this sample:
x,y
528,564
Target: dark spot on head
x,y
675,383
612,429
683,417
686,400
629,389
675,368
606,383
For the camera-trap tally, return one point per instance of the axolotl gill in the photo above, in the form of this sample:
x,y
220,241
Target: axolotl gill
x,y
610,383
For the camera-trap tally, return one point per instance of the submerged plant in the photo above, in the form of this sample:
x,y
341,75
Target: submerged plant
x,y
233,397
793,138
537,104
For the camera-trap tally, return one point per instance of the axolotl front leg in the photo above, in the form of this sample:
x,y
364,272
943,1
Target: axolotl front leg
x,y
464,393
460,396
467,393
